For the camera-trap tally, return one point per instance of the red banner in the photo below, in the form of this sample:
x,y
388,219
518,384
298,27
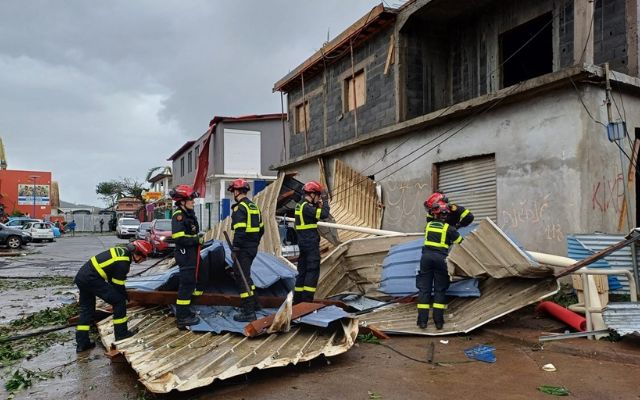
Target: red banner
x,y
200,183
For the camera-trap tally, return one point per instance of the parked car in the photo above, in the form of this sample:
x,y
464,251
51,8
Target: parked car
x,y
143,230
18,222
160,236
127,227
39,231
12,237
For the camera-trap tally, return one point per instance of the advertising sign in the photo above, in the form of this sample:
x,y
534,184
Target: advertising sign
x,y
27,194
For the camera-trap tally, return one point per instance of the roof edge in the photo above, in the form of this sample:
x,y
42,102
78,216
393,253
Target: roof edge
x,y
181,150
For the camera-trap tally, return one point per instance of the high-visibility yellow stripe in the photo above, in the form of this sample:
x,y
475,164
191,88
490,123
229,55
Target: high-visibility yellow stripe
x,y
176,212
181,234
423,306
183,302
98,268
117,281
249,228
318,212
310,289
253,287
434,228
117,321
245,295
198,292
464,214
239,225
298,289
116,255
440,306
458,240
299,213
83,327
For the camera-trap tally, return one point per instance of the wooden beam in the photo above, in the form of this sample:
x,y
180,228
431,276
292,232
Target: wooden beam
x,y
259,326
389,55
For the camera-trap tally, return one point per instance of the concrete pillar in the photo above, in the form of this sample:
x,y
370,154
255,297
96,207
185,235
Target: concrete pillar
x,y
583,31
633,61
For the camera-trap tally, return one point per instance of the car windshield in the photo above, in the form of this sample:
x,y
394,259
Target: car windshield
x,y
164,225
130,221
144,225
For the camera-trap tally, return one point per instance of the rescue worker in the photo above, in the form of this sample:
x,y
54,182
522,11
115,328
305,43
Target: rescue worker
x,y
433,275
248,228
104,276
185,233
315,206
458,215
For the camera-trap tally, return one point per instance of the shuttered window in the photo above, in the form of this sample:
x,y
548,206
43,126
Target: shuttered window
x,y
472,184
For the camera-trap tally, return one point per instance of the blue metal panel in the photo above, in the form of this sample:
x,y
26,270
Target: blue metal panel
x,y
258,186
225,208
323,317
219,319
578,251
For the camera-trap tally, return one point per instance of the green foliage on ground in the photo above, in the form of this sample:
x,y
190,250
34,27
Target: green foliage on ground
x,y
27,284
368,338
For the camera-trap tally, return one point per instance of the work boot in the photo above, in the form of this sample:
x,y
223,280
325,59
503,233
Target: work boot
x,y
83,342
256,304
247,313
423,318
187,321
121,332
297,297
438,318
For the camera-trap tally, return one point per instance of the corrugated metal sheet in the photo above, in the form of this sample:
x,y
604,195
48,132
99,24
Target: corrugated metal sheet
x,y
323,317
578,251
624,318
167,359
489,252
471,183
499,297
354,201
619,259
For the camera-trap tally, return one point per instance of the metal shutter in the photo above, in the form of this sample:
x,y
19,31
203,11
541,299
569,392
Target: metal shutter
x,y
472,184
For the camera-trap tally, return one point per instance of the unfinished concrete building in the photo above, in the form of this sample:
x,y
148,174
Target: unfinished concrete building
x,y
499,103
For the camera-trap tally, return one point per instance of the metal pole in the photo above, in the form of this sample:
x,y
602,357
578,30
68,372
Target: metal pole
x,y
361,229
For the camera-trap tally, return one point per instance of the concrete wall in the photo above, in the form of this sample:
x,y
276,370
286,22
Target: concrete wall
x,y
549,157
328,123
610,34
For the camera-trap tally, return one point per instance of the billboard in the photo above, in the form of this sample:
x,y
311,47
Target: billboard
x,y
27,196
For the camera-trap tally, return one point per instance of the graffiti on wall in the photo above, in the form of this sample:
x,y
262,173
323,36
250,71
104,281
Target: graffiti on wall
x,y
530,214
403,204
608,194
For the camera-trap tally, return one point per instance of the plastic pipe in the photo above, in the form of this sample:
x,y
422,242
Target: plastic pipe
x,y
361,229
550,259
570,318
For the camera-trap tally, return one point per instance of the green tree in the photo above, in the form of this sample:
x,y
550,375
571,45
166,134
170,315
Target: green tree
x,y
110,192
133,188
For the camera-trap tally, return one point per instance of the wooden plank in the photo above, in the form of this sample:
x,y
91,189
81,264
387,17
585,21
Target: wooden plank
x,y
631,173
389,55
259,326
373,330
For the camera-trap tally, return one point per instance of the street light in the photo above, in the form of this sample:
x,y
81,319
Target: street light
x,y
34,177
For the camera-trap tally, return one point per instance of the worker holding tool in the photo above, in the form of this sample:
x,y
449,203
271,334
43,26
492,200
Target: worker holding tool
x,y
315,206
433,275
459,216
185,233
248,228
104,276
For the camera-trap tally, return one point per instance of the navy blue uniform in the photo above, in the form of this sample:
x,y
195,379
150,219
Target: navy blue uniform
x,y
184,232
306,225
458,216
433,275
248,228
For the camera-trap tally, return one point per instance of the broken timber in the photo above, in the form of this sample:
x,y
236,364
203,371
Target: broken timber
x,y
261,325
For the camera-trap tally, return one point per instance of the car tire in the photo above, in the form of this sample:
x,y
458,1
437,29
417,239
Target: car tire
x,y
14,242
50,240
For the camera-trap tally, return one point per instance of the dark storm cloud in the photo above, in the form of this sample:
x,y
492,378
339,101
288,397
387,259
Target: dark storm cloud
x,y
100,90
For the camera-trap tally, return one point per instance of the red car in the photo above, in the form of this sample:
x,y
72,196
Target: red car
x,y
160,236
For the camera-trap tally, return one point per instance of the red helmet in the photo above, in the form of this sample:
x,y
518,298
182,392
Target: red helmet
x,y
239,184
434,198
440,208
312,187
142,248
183,192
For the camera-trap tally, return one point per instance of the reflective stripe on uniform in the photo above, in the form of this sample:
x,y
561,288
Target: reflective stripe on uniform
x,y
176,212
436,227
302,225
464,214
181,234
298,289
198,292
423,306
318,212
249,228
83,327
116,255
253,287
117,321
458,240
439,306
117,281
183,302
244,295
309,289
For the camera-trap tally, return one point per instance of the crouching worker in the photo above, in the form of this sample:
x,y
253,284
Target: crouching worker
x,y
433,275
104,276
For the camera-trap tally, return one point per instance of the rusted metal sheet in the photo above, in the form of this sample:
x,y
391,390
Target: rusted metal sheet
x,y
261,325
167,359
499,297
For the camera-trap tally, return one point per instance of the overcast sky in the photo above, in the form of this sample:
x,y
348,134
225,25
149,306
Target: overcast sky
x,y
96,90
